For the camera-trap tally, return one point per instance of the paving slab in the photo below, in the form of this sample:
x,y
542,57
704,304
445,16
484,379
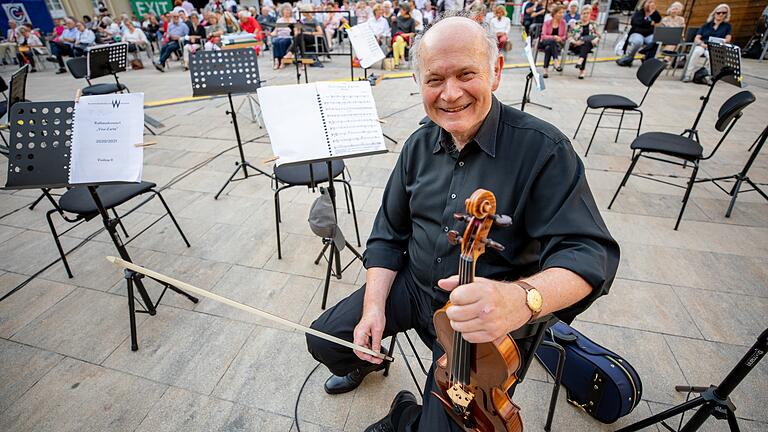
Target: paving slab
x,y
21,366
27,303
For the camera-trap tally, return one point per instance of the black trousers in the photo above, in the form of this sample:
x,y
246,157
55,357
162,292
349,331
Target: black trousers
x,y
408,307
551,51
583,52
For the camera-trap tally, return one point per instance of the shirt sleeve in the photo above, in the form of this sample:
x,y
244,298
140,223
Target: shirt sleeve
x,y
563,216
388,241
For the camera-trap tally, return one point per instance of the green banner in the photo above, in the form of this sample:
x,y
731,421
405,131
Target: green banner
x,y
158,7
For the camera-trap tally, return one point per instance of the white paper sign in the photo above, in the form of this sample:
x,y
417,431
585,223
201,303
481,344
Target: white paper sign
x,y
105,130
529,55
365,45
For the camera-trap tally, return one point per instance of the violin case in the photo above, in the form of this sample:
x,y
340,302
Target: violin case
x,y
596,379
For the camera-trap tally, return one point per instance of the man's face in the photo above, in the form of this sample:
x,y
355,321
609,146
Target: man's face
x,y
175,18
456,81
70,24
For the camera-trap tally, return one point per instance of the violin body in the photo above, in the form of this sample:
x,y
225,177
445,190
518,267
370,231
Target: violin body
x,y
473,379
491,409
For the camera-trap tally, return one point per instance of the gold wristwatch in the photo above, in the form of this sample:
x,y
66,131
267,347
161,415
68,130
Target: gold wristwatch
x,y
533,298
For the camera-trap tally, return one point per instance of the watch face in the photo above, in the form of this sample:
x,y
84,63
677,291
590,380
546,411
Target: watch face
x,y
534,300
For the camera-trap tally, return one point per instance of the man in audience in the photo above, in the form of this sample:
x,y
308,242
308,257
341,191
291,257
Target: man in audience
x,y
8,46
65,46
85,39
176,32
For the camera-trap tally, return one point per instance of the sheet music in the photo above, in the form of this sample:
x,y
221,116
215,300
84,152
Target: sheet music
x,y
529,55
366,47
320,121
350,113
105,130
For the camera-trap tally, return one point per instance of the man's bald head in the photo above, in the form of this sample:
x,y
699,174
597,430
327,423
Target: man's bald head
x,y
459,29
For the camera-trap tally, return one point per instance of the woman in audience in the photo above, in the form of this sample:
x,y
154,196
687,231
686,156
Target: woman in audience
x,y
641,32
27,42
281,36
362,12
196,35
572,14
332,20
673,19
386,10
403,29
499,26
380,26
312,35
231,24
717,26
552,38
583,37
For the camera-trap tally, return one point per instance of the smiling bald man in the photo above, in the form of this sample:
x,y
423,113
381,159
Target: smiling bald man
x,y
558,248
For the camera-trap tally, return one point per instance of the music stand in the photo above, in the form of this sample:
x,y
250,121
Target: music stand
x,y
227,72
529,77
725,64
39,158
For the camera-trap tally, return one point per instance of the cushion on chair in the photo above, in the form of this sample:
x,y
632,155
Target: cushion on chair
x,y
300,174
103,88
669,144
610,101
78,200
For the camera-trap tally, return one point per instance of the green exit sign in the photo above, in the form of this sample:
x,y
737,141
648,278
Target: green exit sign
x,y
158,7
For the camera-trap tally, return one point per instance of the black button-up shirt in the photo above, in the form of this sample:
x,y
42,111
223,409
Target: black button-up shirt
x,y
538,181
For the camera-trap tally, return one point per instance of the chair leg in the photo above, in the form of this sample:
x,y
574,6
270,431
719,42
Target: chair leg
x,y
120,222
687,193
580,121
58,243
639,124
173,219
277,223
621,120
594,132
354,211
626,177
558,381
346,195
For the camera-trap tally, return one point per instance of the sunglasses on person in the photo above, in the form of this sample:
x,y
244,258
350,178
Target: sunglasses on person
x,y
721,13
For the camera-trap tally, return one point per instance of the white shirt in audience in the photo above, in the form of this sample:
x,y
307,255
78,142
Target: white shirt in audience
x,y
420,4
135,36
499,25
419,18
379,26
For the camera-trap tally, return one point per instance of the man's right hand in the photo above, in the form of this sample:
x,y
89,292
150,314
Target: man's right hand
x,y
368,333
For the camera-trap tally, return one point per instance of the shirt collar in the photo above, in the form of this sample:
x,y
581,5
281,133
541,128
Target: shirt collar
x,y
485,137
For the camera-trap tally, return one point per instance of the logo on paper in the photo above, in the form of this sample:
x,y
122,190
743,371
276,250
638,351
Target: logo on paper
x,y
115,104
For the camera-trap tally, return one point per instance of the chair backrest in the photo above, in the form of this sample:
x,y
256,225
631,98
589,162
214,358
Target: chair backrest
x,y
668,35
690,34
611,25
650,70
732,108
78,67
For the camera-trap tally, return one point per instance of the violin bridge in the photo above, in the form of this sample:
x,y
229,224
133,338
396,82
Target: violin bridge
x,y
459,396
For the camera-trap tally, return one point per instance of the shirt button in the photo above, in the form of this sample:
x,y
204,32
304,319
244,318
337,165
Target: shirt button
x,y
445,229
439,260
453,196
461,163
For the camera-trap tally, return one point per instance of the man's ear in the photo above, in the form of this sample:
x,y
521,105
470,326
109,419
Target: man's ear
x,y
499,65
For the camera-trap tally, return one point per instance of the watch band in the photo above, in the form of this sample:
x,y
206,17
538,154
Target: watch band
x,y
528,287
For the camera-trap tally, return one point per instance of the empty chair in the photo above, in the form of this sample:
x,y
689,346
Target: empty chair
x,y
646,74
660,146
78,67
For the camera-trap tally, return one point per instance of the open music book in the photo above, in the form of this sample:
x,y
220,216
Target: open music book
x,y
321,121
105,132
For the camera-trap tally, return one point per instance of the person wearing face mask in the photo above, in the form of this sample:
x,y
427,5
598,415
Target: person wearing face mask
x,y
641,33
717,26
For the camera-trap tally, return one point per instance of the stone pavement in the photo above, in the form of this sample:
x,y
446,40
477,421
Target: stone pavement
x,y
684,308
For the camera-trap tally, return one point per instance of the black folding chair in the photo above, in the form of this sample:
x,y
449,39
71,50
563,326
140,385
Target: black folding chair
x,y
665,36
647,74
78,67
310,175
684,148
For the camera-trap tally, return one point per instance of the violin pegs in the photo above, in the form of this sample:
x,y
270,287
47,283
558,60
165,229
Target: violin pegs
x,y
502,221
494,245
460,217
454,237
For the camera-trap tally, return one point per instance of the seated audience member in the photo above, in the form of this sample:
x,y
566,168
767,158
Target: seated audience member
x,y
216,27
188,7
641,32
403,29
194,39
249,24
380,26
429,13
386,10
28,41
85,39
268,14
332,21
8,46
418,16
177,30
58,29
583,37
499,27
572,14
151,29
362,12
136,39
477,12
552,39
717,26
673,19
310,30
281,36
533,13
231,24
65,46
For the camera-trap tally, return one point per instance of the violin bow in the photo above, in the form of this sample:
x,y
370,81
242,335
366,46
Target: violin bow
x,y
243,307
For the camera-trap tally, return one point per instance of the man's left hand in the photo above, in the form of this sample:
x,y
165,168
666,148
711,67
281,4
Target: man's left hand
x,y
485,310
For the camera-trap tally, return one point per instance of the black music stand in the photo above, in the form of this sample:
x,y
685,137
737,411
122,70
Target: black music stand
x,y
529,86
227,72
39,158
725,64
714,400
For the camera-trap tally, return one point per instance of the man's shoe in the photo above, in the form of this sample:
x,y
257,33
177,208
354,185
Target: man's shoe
x,y
52,59
387,424
159,67
343,384
61,71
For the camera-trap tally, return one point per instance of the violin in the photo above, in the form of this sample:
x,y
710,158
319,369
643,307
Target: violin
x,y
473,379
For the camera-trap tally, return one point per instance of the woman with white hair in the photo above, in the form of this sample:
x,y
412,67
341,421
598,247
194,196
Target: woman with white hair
x,y
583,38
717,26
674,16
281,35
572,15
